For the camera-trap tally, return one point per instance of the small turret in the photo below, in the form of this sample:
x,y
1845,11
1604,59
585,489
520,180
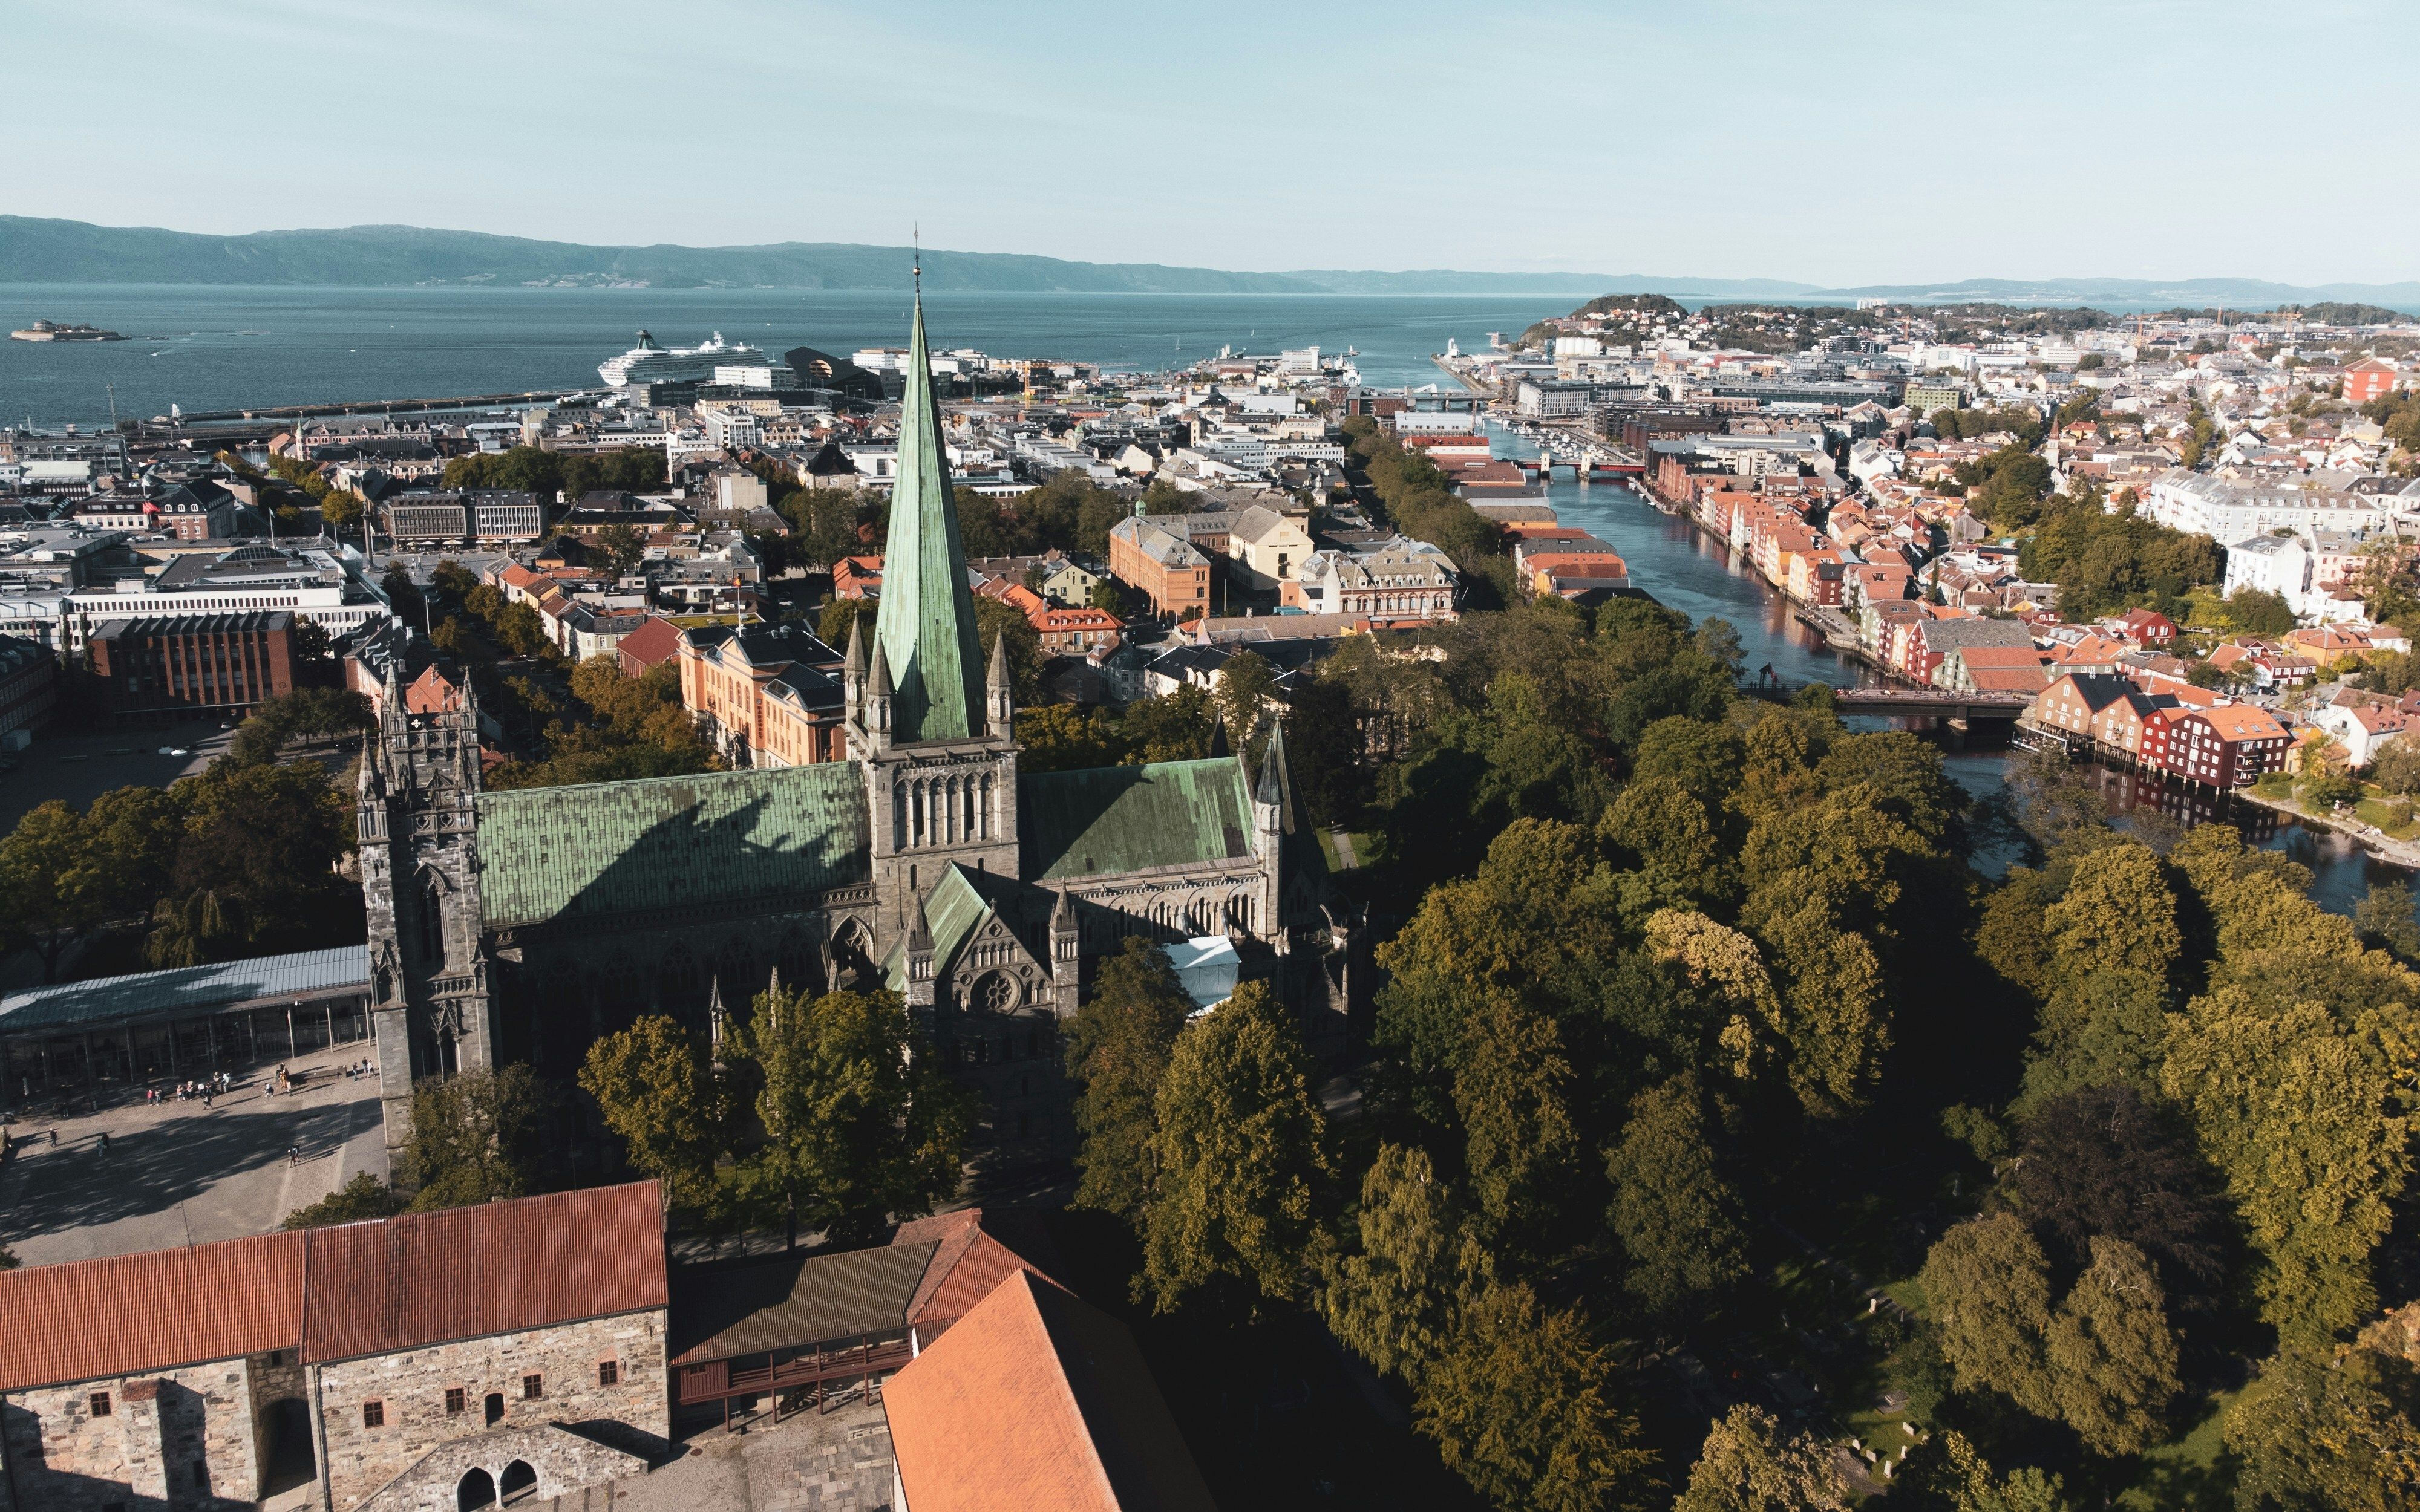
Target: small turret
x,y
852,673
1269,805
1000,694
879,698
1067,951
919,960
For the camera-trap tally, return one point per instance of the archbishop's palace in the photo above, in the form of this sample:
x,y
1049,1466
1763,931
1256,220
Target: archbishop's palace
x,y
524,925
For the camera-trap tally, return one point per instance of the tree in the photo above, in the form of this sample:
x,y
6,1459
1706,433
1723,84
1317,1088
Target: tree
x,y
2319,1434
2255,613
1680,1222
1750,1464
476,1137
618,550
1242,1158
833,624
2306,1118
863,1123
1944,1473
1392,1301
1117,1047
1174,727
656,1088
453,579
1512,1088
1989,1286
521,631
1247,687
41,904
2106,1161
403,593
2112,1359
342,508
362,1197
2385,918
1521,1406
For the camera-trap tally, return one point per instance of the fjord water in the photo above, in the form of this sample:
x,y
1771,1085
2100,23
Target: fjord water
x,y
211,349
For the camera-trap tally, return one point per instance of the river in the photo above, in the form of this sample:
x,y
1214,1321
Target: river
x,y
1685,569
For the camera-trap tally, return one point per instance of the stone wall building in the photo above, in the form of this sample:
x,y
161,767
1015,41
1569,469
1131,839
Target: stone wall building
x,y
388,1362
521,926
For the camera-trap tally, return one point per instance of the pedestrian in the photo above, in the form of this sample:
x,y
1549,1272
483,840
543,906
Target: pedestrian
x,y
104,1141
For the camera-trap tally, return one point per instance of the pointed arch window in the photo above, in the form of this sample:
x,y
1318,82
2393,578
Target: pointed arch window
x,y
432,920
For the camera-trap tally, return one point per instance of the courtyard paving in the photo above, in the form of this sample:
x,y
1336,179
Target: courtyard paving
x,y
177,1173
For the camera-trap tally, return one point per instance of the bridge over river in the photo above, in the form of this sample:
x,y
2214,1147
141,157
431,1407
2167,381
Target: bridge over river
x,y
1901,703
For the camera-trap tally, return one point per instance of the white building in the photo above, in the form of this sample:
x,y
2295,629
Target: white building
x,y
2227,510
2279,564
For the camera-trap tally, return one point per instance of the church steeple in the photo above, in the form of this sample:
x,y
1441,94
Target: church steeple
x,y
927,625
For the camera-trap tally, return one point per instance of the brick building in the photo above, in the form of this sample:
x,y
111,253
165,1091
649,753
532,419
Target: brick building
x,y
430,1357
210,663
766,695
1165,568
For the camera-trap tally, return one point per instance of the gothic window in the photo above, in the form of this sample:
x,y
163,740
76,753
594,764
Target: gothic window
x,y
735,968
432,920
995,992
678,990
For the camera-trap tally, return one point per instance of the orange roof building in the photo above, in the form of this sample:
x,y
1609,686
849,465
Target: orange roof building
x,y
1089,1432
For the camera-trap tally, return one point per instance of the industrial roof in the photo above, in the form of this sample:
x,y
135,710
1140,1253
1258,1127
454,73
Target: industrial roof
x,y
1133,817
187,990
603,848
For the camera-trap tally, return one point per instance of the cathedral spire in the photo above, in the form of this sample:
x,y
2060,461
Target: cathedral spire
x,y
927,623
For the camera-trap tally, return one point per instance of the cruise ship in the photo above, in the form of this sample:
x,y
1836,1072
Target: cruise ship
x,y
647,363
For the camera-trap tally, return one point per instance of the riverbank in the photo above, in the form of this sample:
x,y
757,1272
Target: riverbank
x,y
2372,840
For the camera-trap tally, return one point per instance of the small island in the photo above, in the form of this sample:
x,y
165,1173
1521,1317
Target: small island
x,y
53,331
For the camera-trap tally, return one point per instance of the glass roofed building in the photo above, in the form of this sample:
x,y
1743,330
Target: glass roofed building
x,y
523,925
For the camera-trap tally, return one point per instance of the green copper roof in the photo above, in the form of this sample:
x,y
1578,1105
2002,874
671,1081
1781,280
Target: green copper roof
x,y
1133,817
660,841
927,623
953,910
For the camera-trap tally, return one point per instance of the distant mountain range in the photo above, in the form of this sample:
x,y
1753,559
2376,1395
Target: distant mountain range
x,y
76,252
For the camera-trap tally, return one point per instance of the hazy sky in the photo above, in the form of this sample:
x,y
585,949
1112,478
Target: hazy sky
x,y
1832,141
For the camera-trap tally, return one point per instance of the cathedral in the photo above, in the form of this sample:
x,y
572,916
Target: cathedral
x,y
521,926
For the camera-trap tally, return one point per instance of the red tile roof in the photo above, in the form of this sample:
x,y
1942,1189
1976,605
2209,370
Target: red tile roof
x,y
460,1273
335,1293
655,641
153,1311
1091,1433
431,693
979,1249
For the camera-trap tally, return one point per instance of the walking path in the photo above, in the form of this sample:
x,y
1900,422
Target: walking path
x,y
177,1173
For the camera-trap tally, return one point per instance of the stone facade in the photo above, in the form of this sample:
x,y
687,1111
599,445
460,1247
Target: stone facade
x,y
410,1393
418,827
193,1437
539,1463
